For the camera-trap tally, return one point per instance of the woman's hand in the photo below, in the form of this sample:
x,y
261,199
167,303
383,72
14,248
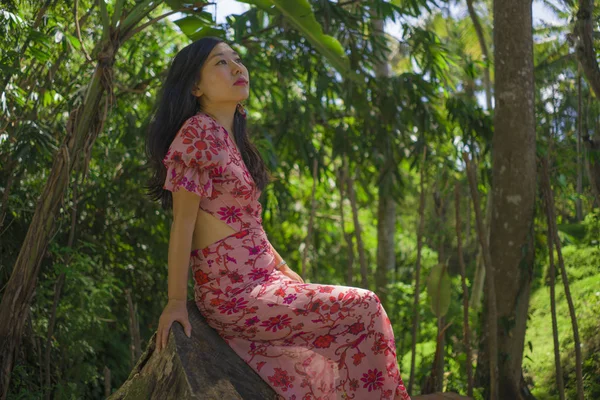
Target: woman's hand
x,y
287,271
175,310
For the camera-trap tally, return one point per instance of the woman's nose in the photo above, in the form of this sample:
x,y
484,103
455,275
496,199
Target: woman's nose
x,y
236,67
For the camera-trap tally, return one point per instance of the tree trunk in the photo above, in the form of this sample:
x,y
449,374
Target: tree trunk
x,y
83,127
21,285
386,207
420,230
58,292
106,382
309,239
560,386
551,216
341,183
440,211
592,148
514,183
586,54
362,258
134,329
433,383
477,289
463,280
10,170
479,279
593,165
579,187
490,337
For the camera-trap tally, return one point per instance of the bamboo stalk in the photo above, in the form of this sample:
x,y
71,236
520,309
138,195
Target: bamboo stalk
x,y
553,233
492,314
358,231
415,323
552,275
107,390
134,329
341,179
461,260
311,220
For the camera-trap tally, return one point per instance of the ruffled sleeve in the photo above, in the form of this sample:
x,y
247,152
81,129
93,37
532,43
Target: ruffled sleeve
x,y
194,152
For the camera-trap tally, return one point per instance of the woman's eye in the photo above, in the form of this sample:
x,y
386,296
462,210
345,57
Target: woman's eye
x,y
238,59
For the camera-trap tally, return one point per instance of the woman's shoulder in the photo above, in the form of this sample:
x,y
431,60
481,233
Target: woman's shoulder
x,y
198,141
201,123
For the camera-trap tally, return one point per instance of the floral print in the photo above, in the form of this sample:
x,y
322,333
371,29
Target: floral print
x,y
308,341
373,379
202,159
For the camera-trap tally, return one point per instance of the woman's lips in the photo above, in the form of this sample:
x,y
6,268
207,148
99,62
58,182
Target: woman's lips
x,y
241,82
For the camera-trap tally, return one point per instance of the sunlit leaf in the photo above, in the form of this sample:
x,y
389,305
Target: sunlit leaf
x,y
439,290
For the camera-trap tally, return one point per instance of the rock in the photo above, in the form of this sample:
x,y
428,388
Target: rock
x,y
200,367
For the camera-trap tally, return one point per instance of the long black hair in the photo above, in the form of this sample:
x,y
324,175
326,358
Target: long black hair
x,y
175,105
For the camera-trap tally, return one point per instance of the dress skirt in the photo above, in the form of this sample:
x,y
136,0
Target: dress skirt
x,y
308,341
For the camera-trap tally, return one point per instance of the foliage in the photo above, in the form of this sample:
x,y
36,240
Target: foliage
x,y
582,269
438,290
315,96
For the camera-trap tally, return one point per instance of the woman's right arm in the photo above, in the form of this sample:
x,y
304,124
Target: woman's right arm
x,y
185,210
188,178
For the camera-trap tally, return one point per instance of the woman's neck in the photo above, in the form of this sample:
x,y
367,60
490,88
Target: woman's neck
x,y
224,117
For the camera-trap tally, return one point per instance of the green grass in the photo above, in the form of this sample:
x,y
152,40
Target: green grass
x,y
583,270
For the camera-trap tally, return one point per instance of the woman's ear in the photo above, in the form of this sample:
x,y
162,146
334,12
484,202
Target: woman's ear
x,y
197,92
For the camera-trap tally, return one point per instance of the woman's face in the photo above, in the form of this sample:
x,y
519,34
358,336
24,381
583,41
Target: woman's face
x,y
218,76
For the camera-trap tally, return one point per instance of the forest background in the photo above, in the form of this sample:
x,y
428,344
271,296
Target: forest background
x,y
368,132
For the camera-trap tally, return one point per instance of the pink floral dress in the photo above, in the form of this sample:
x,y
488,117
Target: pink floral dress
x,y
308,341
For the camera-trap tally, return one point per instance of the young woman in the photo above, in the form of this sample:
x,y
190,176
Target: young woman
x,y
306,340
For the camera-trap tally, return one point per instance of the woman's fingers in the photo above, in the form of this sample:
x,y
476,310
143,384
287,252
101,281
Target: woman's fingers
x,y
158,340
187,327
162,335
165,336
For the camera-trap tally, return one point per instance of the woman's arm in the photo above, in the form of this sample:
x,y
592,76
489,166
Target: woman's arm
x,y
278,258
180,246
185,210
284,269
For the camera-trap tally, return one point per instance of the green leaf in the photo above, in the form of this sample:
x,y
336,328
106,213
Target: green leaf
x,y
47,100
137,13
438,288
300,14
39,54
264,5
74,41
207,31
195,28
576,231
189,25
562,180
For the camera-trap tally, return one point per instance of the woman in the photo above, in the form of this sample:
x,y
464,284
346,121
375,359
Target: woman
x,y
306,340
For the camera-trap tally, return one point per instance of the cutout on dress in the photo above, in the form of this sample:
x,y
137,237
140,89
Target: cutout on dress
x,y
233,231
